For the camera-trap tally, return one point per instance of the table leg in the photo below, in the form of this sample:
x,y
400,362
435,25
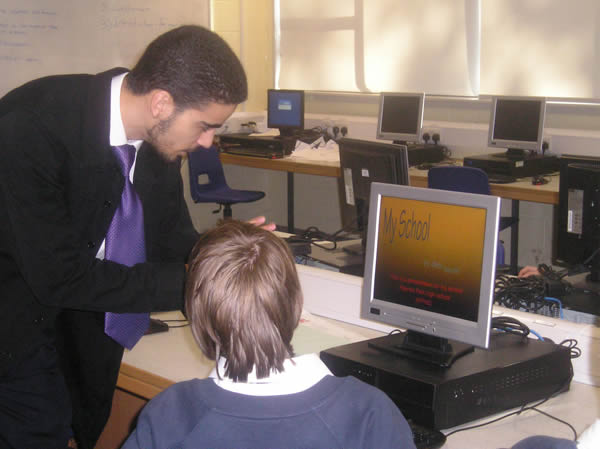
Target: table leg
x,y
514,238
290,201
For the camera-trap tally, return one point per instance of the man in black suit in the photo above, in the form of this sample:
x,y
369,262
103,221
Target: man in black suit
x,y
60,185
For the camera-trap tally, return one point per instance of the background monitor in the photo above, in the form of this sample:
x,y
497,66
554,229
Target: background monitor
x,y
578,216
363,162
430,269
517,123
400,116
285,110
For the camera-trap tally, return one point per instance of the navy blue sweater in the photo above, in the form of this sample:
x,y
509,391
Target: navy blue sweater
x,y
337,412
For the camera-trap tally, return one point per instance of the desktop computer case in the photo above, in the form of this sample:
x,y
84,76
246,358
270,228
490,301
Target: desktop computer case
x,y
500,163
514,371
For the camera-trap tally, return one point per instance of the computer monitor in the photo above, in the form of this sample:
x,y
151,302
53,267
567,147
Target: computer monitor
x,y
363,162
578,217
517,123
429,269
400,116
285,110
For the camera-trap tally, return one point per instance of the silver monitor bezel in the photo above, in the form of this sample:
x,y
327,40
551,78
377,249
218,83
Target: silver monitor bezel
x,y
432,323
493,141
408,137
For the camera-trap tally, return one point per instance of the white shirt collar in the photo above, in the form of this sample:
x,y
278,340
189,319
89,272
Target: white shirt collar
x,y
299,374
117,129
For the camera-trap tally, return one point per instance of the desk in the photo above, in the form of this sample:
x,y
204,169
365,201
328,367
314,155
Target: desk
x,y
518,191
333,302
162,359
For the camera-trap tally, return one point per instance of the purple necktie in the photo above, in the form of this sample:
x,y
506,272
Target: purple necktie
x,y
125,245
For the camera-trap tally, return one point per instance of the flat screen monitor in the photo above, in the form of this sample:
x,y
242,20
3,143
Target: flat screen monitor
x,y
400,116
578,217
285,110
363,162
429,269
517,123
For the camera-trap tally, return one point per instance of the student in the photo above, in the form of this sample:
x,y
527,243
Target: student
x,y
62,182
243,300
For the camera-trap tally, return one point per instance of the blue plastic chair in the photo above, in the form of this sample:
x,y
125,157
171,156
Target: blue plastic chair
x,y
469,180
206,161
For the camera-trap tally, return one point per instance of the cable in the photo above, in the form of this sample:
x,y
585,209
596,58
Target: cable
x,y
312,235
534,293
549,273
559,302
571,343
536,334
588,260
559,420
510,325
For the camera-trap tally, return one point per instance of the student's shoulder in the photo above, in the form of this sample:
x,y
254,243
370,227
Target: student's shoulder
x,y
180,392
375,419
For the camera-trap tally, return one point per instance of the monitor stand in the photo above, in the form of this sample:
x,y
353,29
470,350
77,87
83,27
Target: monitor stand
x,y
517,154
418,346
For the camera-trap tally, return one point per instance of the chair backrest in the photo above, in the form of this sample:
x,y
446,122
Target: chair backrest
x,y
459,179
463,179
205,161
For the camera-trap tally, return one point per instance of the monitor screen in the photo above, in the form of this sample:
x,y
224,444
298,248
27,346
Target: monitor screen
x,y
400,116
578,217
285,110
517,122
363,162
429,269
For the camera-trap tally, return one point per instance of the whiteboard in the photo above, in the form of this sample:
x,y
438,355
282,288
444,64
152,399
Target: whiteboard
x,y
48,37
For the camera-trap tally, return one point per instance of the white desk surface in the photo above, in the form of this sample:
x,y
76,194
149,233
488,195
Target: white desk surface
x,y
174,356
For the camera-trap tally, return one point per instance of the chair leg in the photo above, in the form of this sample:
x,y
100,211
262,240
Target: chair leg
x,y
227,211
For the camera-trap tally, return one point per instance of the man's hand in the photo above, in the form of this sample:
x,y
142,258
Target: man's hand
x,y
528,271
261,221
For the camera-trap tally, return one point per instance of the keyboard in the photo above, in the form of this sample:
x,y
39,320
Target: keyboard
x,y
255,152
426,438
501,179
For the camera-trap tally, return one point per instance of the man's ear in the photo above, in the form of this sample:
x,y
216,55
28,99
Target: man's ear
x,y
161,104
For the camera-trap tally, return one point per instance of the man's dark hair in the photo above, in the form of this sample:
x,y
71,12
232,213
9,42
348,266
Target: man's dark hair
x,y
193,64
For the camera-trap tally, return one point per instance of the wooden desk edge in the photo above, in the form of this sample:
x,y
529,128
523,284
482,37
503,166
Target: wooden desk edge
x,y
286,164
141,383
520,191
513,191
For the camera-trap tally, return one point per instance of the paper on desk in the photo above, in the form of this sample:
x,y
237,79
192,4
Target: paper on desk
x,y
319,150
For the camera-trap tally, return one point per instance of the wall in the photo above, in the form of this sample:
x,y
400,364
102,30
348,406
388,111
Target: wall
x,y
247,26
41,37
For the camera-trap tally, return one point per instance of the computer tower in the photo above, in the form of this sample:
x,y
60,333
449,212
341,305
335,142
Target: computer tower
x,y
513,371
425,153
518,167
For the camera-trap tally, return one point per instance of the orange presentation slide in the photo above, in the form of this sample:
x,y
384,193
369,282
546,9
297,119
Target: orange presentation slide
x,y
429,256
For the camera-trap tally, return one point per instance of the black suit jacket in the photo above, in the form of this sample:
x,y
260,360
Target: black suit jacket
x,y
59,188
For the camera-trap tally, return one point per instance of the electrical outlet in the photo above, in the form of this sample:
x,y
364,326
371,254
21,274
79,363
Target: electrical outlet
x,y
431,130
